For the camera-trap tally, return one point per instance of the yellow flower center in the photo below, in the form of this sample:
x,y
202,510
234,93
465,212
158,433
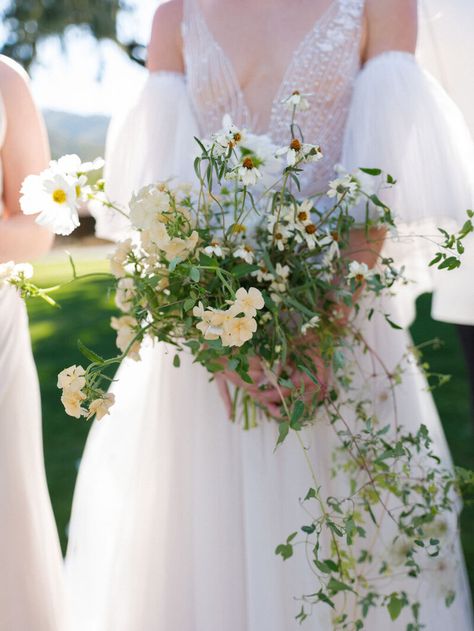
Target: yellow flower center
x,y
59,196
295,92
238,227
248,163
310,229
303,216
359,278
78,191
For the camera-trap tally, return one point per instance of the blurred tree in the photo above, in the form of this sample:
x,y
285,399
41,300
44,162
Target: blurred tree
x,y
27,22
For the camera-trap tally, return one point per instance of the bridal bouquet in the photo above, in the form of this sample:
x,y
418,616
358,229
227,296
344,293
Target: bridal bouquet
x,y
242,269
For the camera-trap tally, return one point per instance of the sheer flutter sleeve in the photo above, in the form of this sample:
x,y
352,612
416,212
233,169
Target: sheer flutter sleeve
x,y
403,122
152,140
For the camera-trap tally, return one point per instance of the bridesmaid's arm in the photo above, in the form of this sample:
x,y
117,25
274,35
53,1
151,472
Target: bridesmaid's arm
x,y
389,25
166,46
25,151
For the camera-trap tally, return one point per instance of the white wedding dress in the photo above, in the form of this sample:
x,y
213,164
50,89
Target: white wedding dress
x,y
177,511
31,572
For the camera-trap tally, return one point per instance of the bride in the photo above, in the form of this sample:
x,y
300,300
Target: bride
x,y
31,578
174,505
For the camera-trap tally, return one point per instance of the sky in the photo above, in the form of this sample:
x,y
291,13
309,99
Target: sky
x,y
86,77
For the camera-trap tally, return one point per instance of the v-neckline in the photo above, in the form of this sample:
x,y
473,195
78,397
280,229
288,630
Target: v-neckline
x,y
332,7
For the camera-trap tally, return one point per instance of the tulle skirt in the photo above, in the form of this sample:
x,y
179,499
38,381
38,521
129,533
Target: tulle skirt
x,y
178,511
31,573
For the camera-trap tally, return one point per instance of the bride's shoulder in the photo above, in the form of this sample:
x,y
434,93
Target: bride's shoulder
x,y
391,25
165,48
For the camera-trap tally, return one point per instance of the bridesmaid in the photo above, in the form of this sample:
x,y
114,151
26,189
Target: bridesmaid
x,y
30,558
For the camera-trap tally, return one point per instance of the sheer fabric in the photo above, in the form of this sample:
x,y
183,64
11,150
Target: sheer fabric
x,y
334,40
177,512
446,45
31,578
402,121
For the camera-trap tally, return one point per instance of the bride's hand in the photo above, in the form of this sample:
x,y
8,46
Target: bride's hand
x,y
271,397
257,373
265,393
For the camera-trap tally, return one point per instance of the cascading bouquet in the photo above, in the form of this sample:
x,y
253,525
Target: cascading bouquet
x,y
240,269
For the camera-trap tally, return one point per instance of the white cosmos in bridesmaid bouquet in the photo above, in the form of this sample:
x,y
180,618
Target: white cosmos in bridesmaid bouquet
x,y
58,192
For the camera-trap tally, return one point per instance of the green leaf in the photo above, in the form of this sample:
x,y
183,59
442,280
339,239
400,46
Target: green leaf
x,y
189,304
310,495
298,411
174,263
176,361
283,430
450,597
195,274
371,171
91,356
395,606
285,550
324,598
392,324
335,586
243,269
322,567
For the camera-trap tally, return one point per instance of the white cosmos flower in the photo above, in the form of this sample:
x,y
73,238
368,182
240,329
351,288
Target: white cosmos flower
x,y
359,271
297,101
248,302
215,249
11,272
229,137
244,252
126,330
345,186
303,213
298,152
71,164
101,407
6,272
262,274
248,173
311,324
307,233
263,151
55,197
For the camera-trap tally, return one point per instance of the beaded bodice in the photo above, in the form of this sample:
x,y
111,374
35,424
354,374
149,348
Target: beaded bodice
x,y
323,65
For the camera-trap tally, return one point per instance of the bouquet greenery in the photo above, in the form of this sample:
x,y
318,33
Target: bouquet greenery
x,y
271,291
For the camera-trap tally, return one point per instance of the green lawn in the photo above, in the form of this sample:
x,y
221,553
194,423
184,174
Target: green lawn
x,y
84,314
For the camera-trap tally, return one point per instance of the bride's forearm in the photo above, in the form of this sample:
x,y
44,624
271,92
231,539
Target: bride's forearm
x,y
21,239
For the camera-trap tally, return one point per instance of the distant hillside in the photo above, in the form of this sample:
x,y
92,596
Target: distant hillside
x,y
73,133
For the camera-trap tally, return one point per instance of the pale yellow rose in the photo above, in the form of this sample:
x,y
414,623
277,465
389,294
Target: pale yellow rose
x,y
126,331
72,401
72,378
125,294
248,302
101,407
237,331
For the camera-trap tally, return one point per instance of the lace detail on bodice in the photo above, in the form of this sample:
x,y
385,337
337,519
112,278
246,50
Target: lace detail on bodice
x,y
324,65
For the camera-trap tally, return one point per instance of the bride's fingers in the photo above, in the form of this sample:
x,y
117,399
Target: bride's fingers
x,y
223,388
